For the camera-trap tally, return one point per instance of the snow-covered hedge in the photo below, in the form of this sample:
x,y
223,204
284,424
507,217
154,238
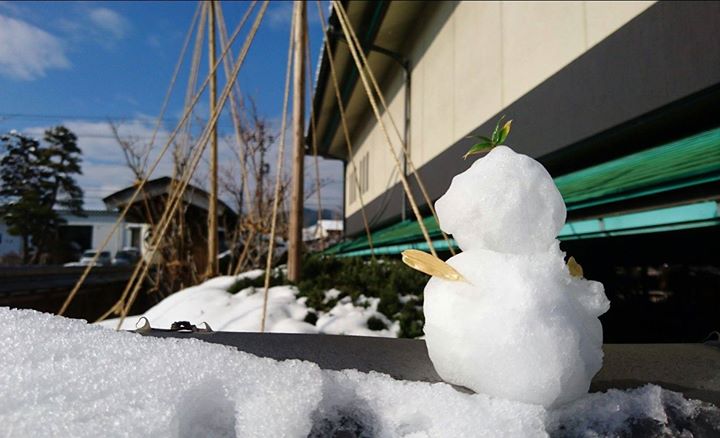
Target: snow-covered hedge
x,y
336,296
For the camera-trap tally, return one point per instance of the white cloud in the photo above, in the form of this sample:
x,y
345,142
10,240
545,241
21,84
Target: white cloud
x,y
279,14
105,171
109,21
153,41
27,52
331,195
103,166
12,8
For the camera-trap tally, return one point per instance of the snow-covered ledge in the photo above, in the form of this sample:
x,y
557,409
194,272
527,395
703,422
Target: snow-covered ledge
x,y
691,369
64,377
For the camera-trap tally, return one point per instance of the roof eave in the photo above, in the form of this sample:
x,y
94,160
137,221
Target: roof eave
x,y
373,14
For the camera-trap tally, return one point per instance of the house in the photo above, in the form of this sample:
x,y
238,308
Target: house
x,y
619,100
90,231
10,245
323,233
80,233
323,229
149,207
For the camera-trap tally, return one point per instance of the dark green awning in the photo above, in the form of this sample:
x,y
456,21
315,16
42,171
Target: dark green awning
x,y
684,163
401,233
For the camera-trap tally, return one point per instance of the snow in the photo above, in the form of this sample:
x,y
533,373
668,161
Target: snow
x,y
408,298
331,294
320,229
505,202
346,318
63,377
521,327
210,302
241,312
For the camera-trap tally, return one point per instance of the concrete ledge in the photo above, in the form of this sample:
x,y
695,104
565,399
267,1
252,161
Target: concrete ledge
x,y
692,369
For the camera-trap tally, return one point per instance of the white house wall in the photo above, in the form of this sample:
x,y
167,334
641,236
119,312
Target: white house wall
x,y
101,227
9,244
482,58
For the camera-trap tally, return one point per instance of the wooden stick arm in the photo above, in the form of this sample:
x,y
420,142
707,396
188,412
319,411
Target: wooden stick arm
x,y
430,265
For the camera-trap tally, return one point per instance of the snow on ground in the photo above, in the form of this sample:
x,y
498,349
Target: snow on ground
x,y
347,318
332,294
63,377
242,312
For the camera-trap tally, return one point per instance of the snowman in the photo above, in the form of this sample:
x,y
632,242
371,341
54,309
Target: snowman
x,y
507,316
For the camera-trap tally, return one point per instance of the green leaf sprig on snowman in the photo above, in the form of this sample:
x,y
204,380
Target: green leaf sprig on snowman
x,y
487,143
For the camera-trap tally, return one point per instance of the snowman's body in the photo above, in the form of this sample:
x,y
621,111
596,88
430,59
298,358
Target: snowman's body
x,y
521,327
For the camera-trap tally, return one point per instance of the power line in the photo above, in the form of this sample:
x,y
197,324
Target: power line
x,y
82,117
12,117
81,135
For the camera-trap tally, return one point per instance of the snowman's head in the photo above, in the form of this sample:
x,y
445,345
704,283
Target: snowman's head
x,y
505,202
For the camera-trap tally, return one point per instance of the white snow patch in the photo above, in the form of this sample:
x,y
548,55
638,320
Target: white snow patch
x,y
251,275
331,294
63,377
242,312
404,299
347,318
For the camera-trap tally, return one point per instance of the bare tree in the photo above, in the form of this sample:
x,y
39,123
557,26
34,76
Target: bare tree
x,y
249,181
136,152
177,268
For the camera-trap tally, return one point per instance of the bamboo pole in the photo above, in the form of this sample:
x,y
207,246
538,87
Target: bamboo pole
x,y
212,262
278,179
348,32
296,205
173,201
140,186
345,129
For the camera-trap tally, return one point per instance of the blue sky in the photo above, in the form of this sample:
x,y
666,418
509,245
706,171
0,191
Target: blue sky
x,y
82,63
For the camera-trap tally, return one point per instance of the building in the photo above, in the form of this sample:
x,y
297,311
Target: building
x,y
10,246
90,231
619,100
322,234
150,205
323,229
80,233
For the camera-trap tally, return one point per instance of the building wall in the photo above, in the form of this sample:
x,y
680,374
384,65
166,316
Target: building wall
x,y
9,244
102,224
473,60
488,54
372,157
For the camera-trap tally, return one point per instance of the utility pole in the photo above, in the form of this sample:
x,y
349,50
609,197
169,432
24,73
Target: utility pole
x,y
296,200
212,262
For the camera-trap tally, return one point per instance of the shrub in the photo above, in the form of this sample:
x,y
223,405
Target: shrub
x,y
385,278
376,324
277,278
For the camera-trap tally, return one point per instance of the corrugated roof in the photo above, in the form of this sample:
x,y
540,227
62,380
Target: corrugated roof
x,y
684,163
690,161
401,233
